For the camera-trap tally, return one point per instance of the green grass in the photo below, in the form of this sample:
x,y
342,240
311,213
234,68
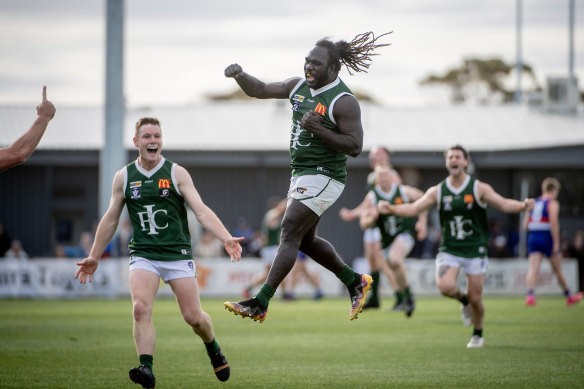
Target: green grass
x,y
302,344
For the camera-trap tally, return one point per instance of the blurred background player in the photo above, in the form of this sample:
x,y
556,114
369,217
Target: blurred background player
x,y
300,271
462,204
270,228
372,237
543,240
397,233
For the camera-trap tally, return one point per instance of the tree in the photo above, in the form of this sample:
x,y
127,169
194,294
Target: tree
x,y
481,80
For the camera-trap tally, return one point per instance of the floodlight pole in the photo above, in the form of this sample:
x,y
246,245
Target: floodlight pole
x,y
112,155
519,59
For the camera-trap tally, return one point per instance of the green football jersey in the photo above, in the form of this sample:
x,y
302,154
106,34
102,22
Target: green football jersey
x,y
310,154
157,212
463,220
391,226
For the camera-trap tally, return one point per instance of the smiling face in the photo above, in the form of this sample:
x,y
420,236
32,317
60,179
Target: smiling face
x,y
317,69
148,140
456,162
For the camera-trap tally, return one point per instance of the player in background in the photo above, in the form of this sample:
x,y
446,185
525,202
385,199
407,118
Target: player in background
x,y
397,233
270,228
372,237
543,240
462,202
23,147
156,192
326,129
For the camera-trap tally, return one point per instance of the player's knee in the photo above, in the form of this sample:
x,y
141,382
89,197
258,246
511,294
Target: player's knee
x,y
142,310
196,320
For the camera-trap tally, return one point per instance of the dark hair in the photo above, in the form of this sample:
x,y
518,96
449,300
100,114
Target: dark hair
x,y
460,148
356,54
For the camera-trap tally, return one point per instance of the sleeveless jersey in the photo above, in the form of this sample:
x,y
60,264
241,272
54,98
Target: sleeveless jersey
x,y
539,219
391,226
310,154
157,212
463,220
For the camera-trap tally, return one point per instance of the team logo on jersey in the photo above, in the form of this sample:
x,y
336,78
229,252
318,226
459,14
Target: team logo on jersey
x,y
135,189
295,133
298,98
320,109
447,203
322,169
164,192
468,200
150,220
398,200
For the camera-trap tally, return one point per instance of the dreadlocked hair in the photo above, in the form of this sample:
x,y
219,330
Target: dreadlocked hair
x,y
355,55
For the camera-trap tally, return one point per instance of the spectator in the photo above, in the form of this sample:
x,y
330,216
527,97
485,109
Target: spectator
x,y
209,246
16,251
576,250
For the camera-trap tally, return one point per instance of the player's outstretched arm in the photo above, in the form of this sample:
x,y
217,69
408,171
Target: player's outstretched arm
x,y
253,87
423,204
488,195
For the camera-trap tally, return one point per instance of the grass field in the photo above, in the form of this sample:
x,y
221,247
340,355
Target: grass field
x,y
302,344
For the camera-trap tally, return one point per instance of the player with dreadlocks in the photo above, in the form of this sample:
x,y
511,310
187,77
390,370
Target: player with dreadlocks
x,y
326,129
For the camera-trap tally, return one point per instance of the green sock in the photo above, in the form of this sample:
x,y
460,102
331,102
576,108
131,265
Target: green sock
x,y
398,297
407,293
147,360
212,347
265,295
375,286
347,275
463,299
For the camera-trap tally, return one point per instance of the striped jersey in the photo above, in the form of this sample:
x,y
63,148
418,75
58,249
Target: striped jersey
x,y
310,154
157,212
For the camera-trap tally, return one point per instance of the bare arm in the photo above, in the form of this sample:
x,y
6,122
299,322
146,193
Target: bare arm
x,y
369,214
206,216
423,204
554,213
105,231
488,195
259,89
352,214
347,114
23,147
422,223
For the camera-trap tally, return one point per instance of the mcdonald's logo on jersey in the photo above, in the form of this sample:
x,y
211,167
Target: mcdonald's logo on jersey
x,y
468,198
320,109
163,183
398,200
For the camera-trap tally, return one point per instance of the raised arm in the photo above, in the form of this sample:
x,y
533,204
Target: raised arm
x,y
259,89
206,216
347,114
23,147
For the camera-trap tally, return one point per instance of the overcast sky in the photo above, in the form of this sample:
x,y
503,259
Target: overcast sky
x,y
176,50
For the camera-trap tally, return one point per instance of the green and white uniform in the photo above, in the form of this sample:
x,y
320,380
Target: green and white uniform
x,y
392,226
463,220
157,212
310,154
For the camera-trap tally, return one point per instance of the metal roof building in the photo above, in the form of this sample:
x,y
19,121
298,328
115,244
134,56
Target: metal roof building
x,y
237,153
